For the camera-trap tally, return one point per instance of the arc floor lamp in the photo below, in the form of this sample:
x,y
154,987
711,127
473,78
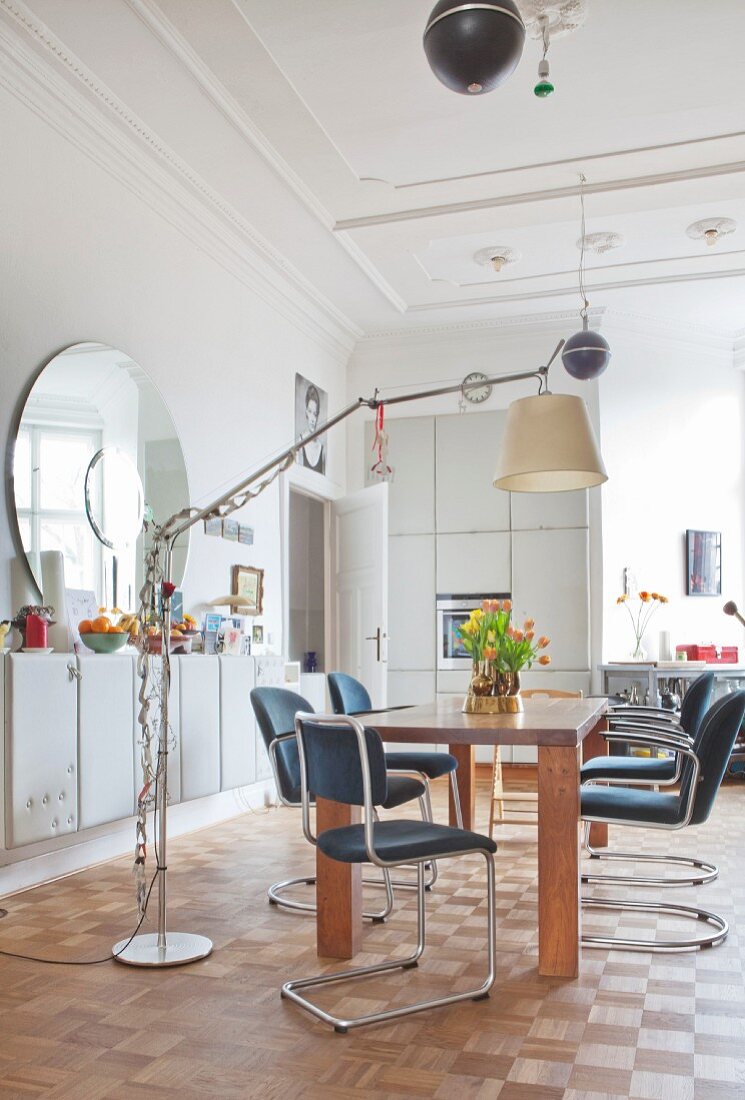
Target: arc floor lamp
x,y
549,446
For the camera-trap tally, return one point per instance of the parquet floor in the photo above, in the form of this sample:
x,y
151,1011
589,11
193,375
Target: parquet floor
x,y
633,1025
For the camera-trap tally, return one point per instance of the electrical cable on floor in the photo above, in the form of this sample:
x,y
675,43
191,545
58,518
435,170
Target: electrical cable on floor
x,y
111,955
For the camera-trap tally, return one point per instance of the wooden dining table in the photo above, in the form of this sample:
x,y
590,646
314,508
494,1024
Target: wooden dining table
x,y
565,731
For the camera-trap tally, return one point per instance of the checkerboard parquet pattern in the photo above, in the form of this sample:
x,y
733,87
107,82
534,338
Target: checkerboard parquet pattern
x,y
648,1027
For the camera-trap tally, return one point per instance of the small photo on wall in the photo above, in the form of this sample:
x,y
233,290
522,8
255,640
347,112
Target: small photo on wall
x,y
230,529
311,410
704,563
257,634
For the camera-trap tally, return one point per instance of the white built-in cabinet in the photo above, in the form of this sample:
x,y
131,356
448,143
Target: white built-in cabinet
x,y
452,532
72,741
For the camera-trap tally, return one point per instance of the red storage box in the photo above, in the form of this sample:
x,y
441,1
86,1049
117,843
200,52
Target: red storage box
x,y
713,655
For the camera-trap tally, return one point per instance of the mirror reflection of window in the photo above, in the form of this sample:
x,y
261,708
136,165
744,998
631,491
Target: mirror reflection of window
x,y
49,472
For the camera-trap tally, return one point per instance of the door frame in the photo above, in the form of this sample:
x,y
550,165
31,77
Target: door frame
x,y
299,480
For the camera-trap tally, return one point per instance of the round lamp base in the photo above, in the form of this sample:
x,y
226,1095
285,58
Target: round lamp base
x,y
180,948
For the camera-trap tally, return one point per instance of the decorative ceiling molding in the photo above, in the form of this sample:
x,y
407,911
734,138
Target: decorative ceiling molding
x,y
159,25
562,292
499,280
740,349
137,157
547,195
563,162
537,322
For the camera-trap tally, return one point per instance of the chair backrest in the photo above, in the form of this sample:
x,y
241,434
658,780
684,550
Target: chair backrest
x,y
348,696
716,739
275,710
333,761
549,693
696,702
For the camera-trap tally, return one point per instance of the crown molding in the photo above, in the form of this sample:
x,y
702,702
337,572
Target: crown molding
x,y
88,114
561,162
550,194
517,324
159,25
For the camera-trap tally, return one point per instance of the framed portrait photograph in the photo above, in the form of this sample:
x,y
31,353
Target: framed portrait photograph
x,y
257,634
703,563
311,409
248,583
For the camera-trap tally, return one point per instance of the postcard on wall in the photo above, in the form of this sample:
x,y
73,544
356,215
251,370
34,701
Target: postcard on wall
x,y
213,526
311,410
245,535
230,529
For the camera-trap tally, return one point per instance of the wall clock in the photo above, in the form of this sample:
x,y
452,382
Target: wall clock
x,y
476,394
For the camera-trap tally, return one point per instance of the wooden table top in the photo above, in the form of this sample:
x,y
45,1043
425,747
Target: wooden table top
x,y
544,721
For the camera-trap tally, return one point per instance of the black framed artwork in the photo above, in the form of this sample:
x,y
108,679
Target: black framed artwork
x,y
703,563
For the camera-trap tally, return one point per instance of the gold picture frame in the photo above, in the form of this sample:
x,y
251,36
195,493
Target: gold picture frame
x,y
249,583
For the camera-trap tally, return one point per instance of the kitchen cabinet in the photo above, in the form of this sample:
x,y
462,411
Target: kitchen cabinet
x,y
474,563
466,448
412,455
107,722
550,583
411,603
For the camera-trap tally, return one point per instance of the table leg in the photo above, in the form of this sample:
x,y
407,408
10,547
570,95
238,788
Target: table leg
x,y
558,861
466,777
338,889
596,745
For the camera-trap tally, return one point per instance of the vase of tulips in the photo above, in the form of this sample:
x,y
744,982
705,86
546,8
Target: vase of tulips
x,y
499,651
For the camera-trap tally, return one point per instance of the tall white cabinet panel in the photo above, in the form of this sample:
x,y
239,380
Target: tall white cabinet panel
x,y
237,723
466,450
106,718
535,511
411,603
412,491
41,781
199,696
312,687
478,563
410,689
551,585
269,673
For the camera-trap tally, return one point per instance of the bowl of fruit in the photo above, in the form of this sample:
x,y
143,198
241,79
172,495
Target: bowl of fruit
x,y
101,635
180,643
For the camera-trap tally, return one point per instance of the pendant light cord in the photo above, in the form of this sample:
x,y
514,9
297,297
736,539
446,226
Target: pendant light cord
x,y
582,290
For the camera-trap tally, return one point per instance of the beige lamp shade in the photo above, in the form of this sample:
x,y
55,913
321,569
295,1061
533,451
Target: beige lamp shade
x,y
549,446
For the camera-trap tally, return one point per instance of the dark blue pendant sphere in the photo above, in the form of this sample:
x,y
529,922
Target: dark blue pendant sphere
x,y
586,355
473,48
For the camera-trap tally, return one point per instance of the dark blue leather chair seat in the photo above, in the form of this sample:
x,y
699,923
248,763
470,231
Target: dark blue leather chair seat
x,y
628,767
400,841
632,804
431,764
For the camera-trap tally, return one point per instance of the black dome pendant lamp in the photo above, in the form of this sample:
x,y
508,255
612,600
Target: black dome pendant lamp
x,y
472,48
586,354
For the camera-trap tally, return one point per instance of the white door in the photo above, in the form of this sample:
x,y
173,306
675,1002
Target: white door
x,y
359,588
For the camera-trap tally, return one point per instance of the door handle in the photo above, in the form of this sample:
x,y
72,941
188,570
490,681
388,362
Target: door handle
x,y
376,637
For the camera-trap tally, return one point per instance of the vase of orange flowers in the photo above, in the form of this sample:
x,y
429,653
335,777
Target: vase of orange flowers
x,y
641,608
499,651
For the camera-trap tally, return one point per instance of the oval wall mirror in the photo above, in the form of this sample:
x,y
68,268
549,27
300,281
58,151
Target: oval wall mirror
x,y
97,463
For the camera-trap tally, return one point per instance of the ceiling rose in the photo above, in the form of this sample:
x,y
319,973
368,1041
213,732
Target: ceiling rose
x,y
497,256
600,242
711,230
563,16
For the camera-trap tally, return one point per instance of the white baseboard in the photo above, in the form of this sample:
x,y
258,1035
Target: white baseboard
x,y
23,871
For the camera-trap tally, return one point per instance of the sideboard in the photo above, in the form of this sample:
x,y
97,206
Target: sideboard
x,y
71,761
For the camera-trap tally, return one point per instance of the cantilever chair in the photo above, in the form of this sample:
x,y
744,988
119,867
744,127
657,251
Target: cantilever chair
x,y
275,710
343,761
349,696
702,771
643,770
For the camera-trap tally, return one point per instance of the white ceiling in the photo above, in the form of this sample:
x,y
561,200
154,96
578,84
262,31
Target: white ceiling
x,y
401,181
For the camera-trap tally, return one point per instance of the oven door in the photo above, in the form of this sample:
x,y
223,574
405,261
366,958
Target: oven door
x,y
450,651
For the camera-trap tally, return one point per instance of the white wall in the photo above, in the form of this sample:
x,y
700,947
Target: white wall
x,y
307,572
672,412
84,257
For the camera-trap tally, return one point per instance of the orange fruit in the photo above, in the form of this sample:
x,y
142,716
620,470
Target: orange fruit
x,y
101,625
85,627
116,630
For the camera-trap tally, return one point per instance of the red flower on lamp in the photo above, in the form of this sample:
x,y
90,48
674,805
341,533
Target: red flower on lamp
x,y
167,589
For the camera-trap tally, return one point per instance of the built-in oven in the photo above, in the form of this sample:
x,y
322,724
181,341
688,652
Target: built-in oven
x,y
452,611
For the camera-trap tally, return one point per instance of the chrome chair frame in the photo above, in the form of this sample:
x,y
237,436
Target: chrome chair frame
x,y
720,925
345,1024
276,890
706,872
